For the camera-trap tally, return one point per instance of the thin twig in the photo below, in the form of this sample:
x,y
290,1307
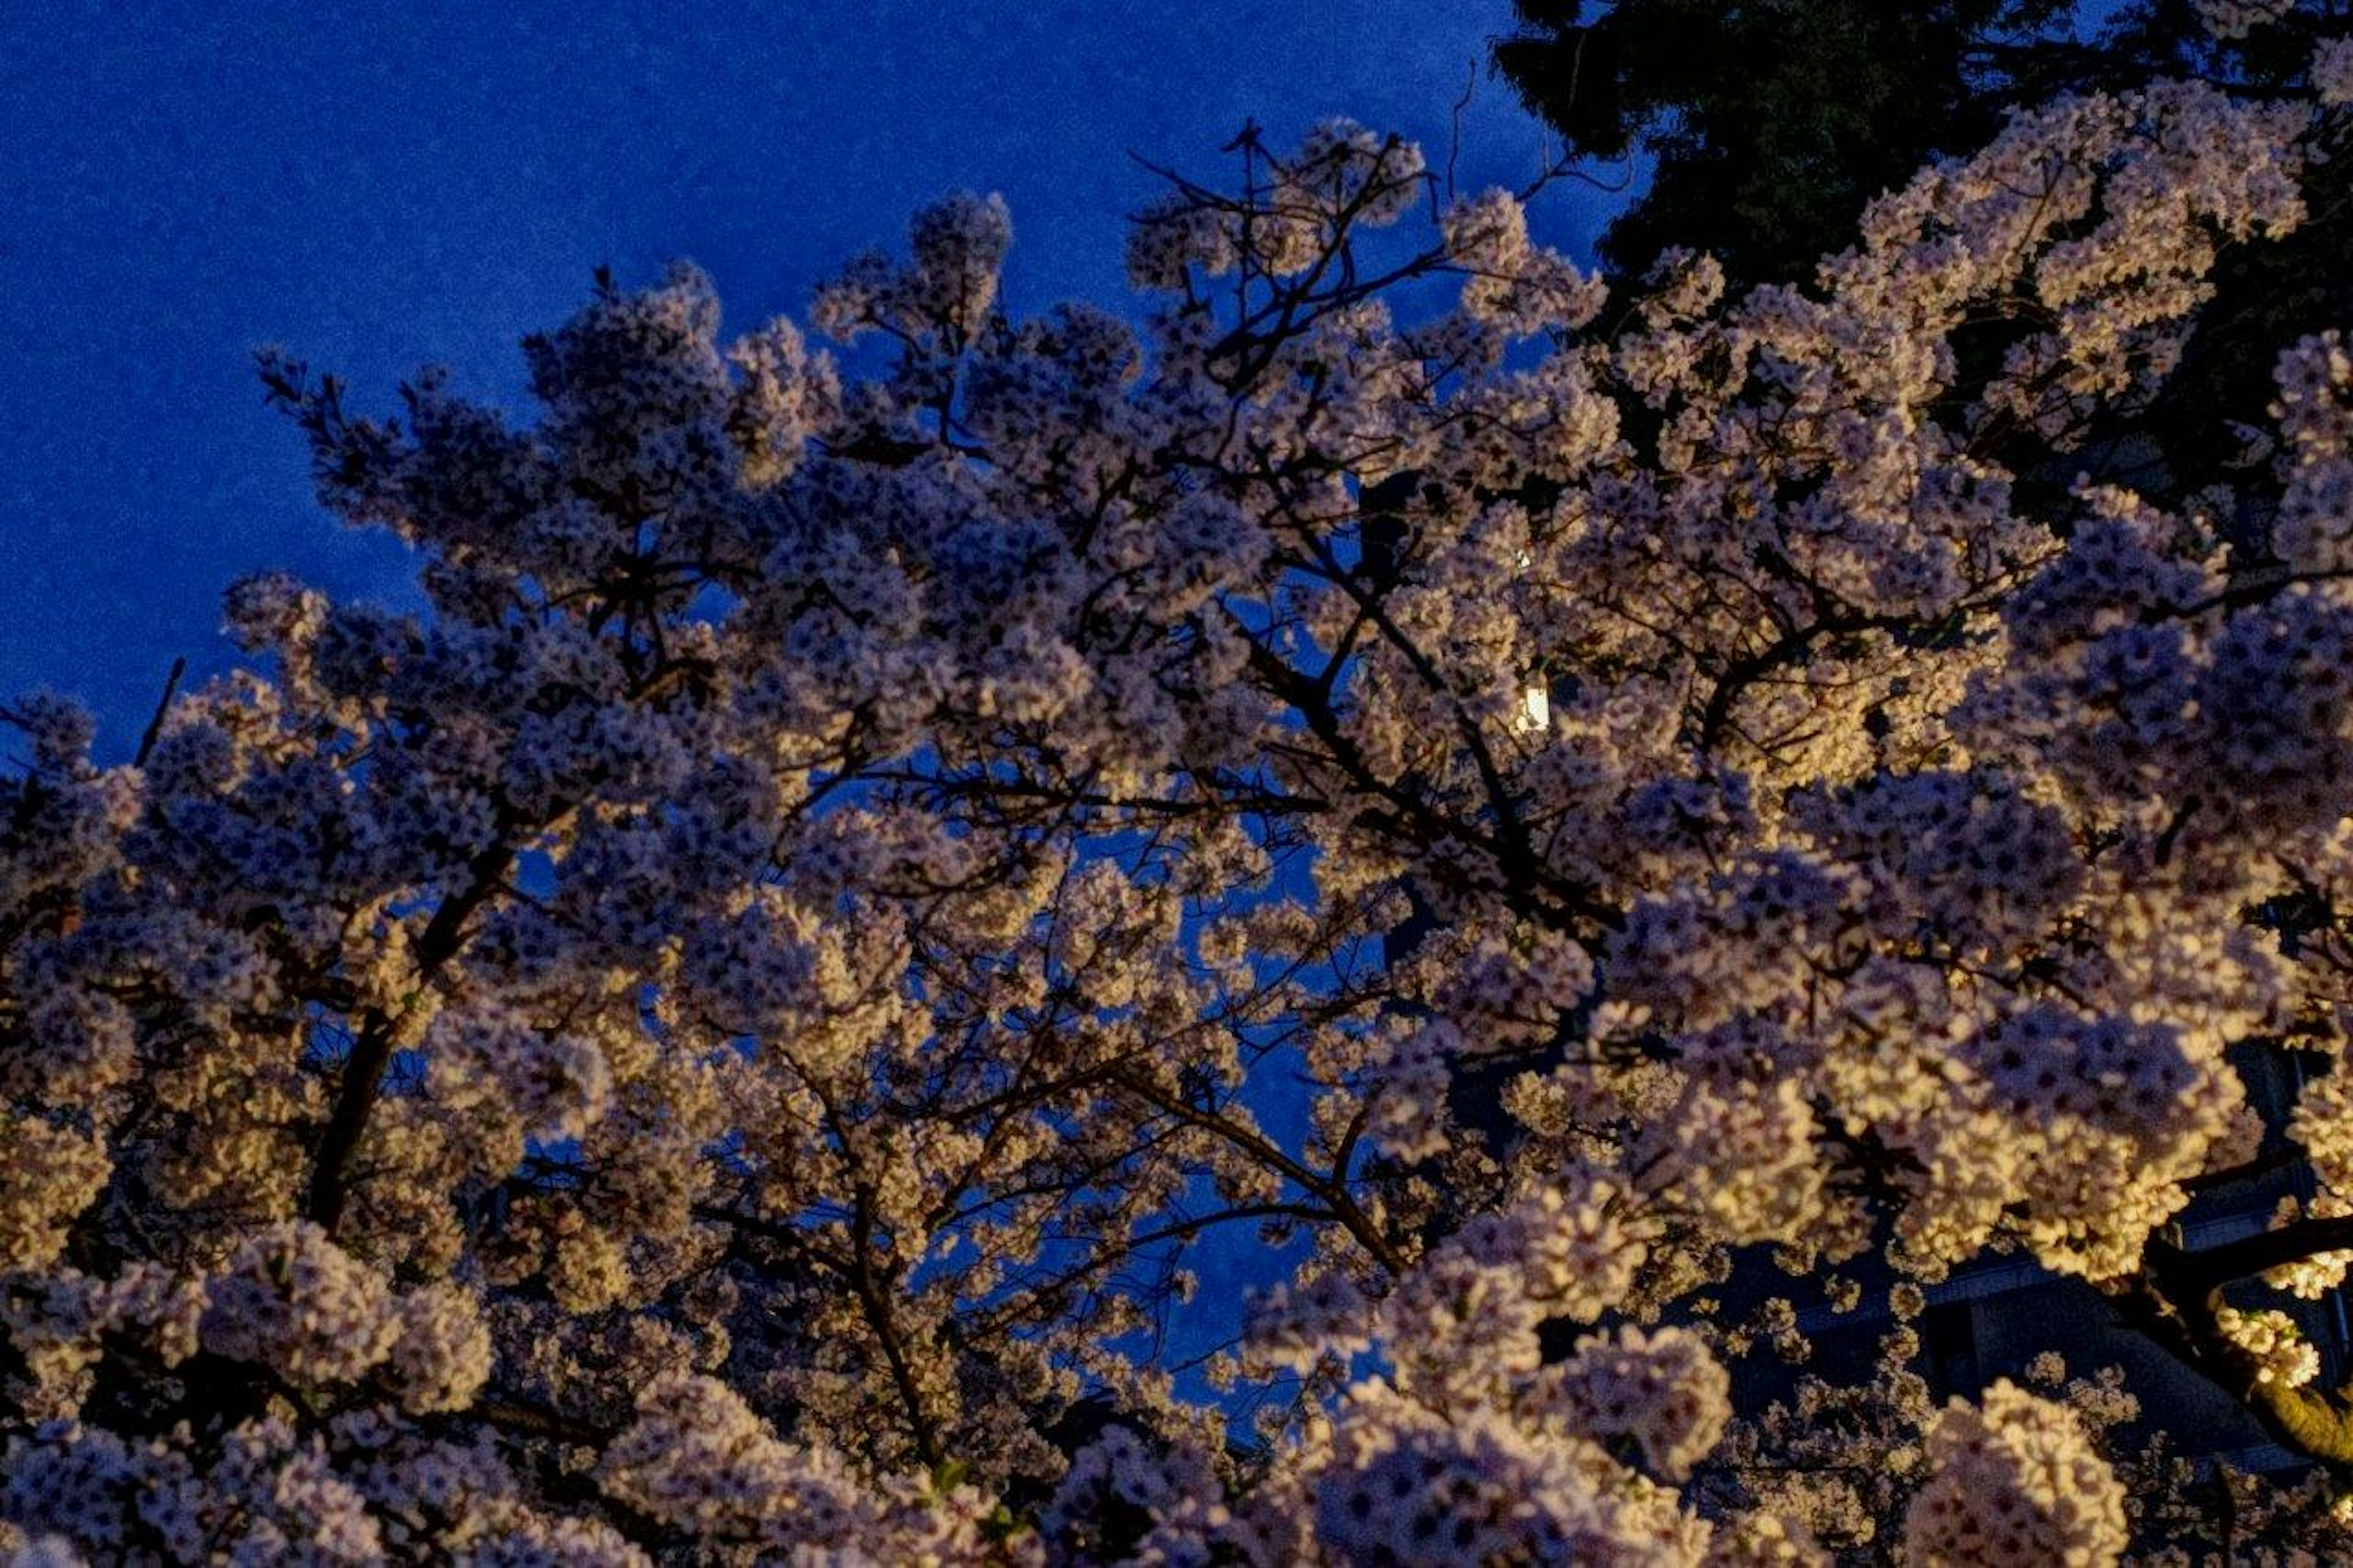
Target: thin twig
x,y
163,706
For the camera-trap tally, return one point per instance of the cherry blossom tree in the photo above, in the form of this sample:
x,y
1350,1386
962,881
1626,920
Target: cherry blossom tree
x,y
723,1037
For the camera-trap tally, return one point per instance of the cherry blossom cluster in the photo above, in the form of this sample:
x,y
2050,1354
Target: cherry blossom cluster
x,y
733,1033
2014,1481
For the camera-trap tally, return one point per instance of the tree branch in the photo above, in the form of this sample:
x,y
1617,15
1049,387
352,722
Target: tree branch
x,y
372,1050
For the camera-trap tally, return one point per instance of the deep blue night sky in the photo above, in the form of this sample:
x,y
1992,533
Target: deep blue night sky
x,y
380,185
